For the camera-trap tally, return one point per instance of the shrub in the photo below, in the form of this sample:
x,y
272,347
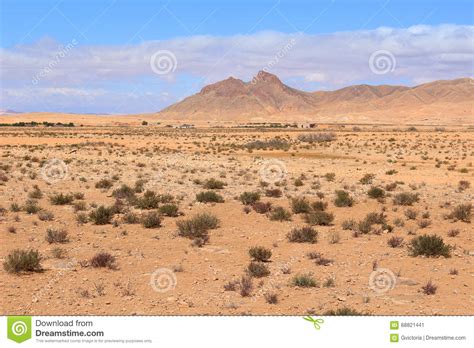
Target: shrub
x,y
423,223
462,212
36,193
273,193
56,236
304,281
300,205
405,198
317,137
257,269
80,206
411,214
259,253
102,260
213,184
102,215
23,261
376,192
367,179
151,220
209,197
246,286
169,209
150,200
45,215
303,235
104,184
334,237
349,225
429,288
31,207
429,245
319,205
131,218
61,199
463,185
280,214
271,298
321,218
197,227
343,199
124,192
262,207
395,241
249,198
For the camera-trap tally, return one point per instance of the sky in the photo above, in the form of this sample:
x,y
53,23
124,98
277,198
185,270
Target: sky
x,y
117,56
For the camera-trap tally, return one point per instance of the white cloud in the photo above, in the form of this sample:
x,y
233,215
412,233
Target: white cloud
x,y
336,59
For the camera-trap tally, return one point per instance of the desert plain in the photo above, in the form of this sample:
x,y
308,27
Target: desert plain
x,y
333,214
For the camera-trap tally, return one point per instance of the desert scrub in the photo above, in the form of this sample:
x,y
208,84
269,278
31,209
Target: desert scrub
x,y
304,281
376,193
131,218
320,218
31,206
249,198
151,219
104,184
462,212
125,192
259,253
280,214
23,261
209,197
395,241
102,215
276,192
319,205
367,179
197,227
61,199
214,184
45,215
303,235
261,207
343,311
300,205
405,198
149,200
54,235
103,260
169,209
343,199
257,269
429,246
317,137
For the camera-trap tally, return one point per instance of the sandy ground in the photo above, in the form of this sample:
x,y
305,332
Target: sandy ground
x,y
173,161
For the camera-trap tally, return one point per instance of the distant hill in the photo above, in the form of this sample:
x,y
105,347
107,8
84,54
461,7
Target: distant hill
x,y
267,99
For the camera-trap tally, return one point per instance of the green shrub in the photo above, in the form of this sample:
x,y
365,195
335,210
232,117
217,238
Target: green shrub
x,y
103,260
280,214
104,184
197,227
124,192
249,198
303,235
405,198
429,245
321,218
376,192
304,281
149,200
209,197
56,236
31,207
23,261
213,184
319,205
367,179
169,209
257,269
462,212
300,205
131,218
61,199
259,253
102,215
151,220
343,199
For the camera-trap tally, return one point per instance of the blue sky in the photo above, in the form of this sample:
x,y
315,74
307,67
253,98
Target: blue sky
x,y
96,56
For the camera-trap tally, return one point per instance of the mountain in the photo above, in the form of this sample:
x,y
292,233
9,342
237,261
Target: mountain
x,y
9,112
267,99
